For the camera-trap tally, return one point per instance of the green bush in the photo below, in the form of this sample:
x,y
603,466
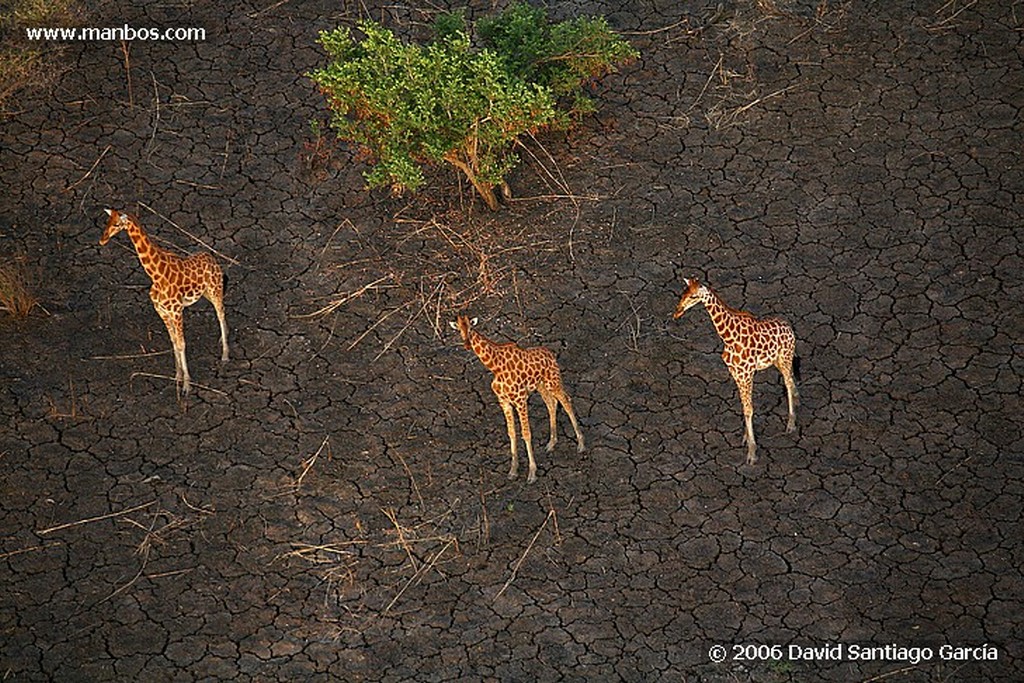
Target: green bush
x,y
407,105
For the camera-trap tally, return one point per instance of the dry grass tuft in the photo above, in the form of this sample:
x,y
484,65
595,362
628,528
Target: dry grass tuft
x,y
422,548
163,527
15,294
334,563
946,16
25,63
738,86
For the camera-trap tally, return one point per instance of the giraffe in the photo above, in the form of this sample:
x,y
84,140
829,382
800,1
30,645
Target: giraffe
x,y
751,344
177,282
518,372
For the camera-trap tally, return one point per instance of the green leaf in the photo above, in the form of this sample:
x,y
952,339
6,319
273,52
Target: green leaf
x,y
407,105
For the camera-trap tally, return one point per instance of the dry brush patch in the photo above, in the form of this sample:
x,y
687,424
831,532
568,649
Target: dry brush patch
x,y
16,297
735,89
419,272
158,525
24,63
368,575
385,555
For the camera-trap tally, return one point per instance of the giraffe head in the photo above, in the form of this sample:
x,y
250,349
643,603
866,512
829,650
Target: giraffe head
x,y
116,223
691,297
462,324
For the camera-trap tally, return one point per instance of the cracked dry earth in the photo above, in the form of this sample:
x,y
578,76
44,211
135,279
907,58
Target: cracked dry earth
x,y
331,504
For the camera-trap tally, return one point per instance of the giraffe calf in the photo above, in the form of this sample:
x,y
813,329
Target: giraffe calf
x,y
518,372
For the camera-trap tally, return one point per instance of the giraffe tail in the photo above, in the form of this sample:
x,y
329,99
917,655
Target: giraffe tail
x,y
796,368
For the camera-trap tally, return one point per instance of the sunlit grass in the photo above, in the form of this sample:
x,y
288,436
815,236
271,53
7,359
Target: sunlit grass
x,y
15,294
23,64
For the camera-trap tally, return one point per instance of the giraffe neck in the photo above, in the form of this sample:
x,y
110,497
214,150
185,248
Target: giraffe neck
x,y
722,316
487,351
149,254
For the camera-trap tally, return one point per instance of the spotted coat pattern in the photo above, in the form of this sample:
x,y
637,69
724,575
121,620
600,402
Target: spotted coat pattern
x,y
518,372
751,344
177,282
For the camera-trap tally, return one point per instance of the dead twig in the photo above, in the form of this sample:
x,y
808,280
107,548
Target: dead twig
x,y
309,462
707,83
55,412
418,576
412,479
156,116
344,299
522,558
342,224
90,520
400,535
130,356
253,15
186,232
949,472
323,553
89,172
655,31
485,522
634,329
727,118
947,22
563,184
890,674
174,379
190,506
409,322
201,186
143,549
22,551
759,100
127,72
379,321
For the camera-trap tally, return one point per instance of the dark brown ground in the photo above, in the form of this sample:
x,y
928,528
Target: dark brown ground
x,y
331,504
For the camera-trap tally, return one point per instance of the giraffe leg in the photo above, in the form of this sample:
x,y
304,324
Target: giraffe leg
x,y
745,383
510,422
748,418
786,368
566,402
524,427
218,305
176,330
215,293
552,403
